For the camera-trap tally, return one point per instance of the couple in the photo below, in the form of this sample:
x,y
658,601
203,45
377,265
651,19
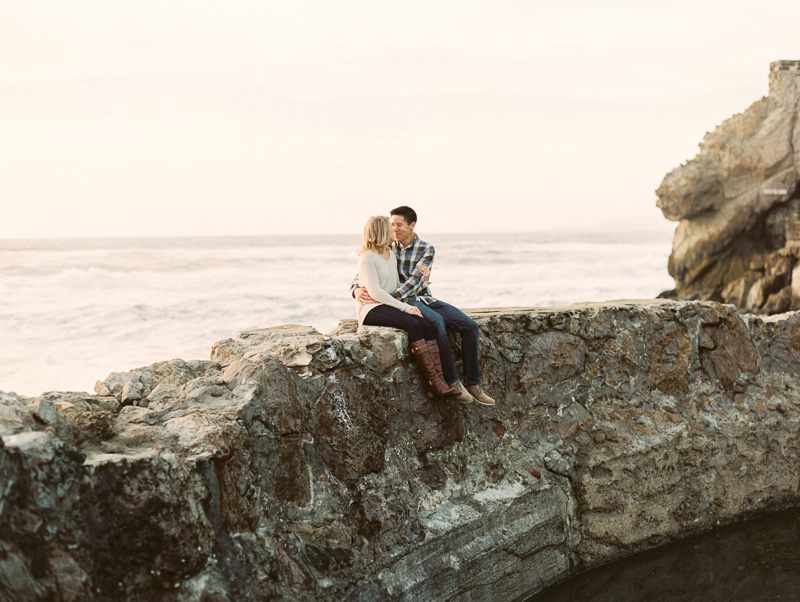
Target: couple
x,y
391,289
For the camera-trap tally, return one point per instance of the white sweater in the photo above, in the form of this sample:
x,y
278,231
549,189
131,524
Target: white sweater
x,y
378,276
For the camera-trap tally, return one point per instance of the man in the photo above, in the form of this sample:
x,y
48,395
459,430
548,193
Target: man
x,y
414,262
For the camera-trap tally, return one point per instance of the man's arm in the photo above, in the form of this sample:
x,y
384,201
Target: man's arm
x,y
360,293
412,286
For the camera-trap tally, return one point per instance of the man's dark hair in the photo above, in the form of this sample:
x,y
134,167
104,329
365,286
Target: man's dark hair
x,y
407,213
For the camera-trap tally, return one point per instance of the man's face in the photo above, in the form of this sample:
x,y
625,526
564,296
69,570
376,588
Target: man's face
x,y
403,232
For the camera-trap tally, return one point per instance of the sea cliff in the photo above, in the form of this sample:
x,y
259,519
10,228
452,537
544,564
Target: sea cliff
x,y
737,204
295,465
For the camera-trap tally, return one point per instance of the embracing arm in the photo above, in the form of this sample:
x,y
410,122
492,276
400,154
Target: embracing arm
x,y
415,283
368,276
360,293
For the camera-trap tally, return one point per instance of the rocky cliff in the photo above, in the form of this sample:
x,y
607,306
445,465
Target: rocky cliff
x,y
737,204
300,466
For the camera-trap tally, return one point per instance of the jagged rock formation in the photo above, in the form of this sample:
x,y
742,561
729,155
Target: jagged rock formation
x,y
302,466
738,205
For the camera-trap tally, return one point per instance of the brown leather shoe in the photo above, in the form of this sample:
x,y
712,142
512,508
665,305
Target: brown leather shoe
x,y
479,395
463,394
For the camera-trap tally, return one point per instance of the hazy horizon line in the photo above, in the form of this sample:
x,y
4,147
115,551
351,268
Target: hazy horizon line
x,y
357,234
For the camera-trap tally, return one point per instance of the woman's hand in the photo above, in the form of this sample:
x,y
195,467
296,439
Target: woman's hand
x,y
425,271
414,311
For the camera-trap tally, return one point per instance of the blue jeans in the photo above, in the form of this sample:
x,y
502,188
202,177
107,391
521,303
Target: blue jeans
x,y
441,315
418,329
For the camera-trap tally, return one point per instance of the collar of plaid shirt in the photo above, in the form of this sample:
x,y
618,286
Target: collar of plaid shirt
x,y
407,259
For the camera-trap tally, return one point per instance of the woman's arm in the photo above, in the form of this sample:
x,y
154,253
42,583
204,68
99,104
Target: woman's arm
x,y
368,278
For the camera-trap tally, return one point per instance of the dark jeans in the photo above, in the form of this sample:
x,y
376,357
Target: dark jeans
x,y
386,315
442,315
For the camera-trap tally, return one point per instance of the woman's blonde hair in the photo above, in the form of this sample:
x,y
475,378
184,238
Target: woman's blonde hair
x,y
377,234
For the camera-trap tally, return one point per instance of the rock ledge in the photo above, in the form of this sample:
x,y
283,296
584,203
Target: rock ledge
x,y
296,465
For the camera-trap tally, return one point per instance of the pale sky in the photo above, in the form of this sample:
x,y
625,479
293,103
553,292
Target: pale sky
x,y
154,118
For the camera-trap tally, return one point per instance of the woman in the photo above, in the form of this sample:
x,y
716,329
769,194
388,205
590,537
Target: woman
x,y
377,272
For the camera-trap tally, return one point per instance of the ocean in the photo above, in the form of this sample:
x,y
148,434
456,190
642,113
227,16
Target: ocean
x,y
74,310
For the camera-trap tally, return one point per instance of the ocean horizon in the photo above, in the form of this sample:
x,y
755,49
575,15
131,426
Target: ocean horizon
x,y
74,310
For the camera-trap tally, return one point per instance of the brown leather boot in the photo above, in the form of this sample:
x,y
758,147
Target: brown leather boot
x,y
433,349
433,382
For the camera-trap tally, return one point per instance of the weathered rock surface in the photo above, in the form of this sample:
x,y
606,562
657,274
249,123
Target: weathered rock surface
x,y
301,466
738,205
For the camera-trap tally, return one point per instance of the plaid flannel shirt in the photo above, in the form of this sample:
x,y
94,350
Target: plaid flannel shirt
x,y
412,282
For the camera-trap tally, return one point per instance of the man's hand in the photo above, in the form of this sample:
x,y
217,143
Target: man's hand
x,y
362,296
425,271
